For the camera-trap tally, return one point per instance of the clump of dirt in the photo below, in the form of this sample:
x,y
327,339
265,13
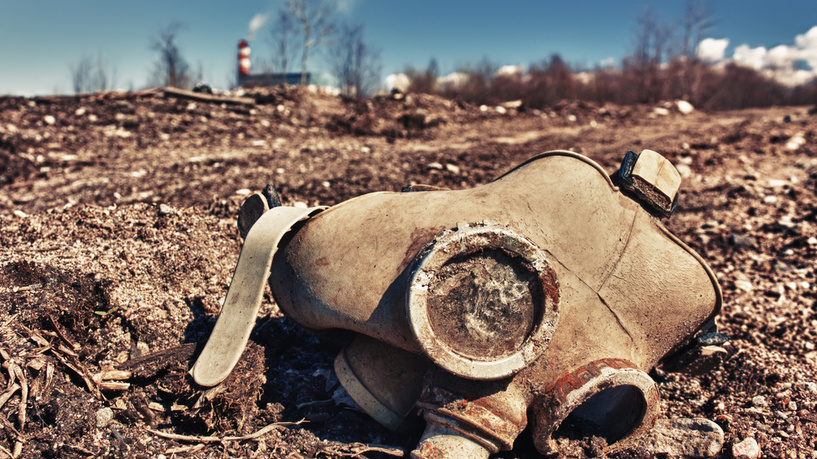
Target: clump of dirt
x,y
118,243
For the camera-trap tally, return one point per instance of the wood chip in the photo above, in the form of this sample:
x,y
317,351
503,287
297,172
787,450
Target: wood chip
x,y
77,368
8,394
197,439
112,374
185,449
114,385
63,335
176,92
148,365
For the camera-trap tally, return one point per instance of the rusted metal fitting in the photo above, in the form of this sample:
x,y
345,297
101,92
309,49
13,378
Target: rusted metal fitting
x,y
548,292
478,420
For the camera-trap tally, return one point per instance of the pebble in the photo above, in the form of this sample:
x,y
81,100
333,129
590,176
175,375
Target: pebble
x,y
739,240
747,449
165,209
807,386
759,400
104,416
49,119
684,107
435,165
744,285
684,437
795,142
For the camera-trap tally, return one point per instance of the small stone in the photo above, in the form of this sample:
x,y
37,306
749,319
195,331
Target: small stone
x,y
452,168
759,401
739,240
744,285
165,209
747,449
104,416
684,107
684,437
795,142
435,165
80,111
49,119
792,406
807,386
684,170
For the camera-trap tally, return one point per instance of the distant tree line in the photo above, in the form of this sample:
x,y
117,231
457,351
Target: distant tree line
x,y
730,87
663,66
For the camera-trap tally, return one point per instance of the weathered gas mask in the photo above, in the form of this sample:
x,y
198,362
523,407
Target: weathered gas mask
x,y
549,292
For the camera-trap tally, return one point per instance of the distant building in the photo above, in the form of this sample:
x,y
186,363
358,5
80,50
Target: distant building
x,y
248,79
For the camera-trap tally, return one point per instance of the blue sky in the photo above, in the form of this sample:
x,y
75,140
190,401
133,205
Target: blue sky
x,y
39,39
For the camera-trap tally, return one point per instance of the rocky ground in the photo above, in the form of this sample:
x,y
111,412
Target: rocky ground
x,y
118,241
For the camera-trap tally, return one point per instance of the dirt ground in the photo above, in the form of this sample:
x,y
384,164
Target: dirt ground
x,y
118,241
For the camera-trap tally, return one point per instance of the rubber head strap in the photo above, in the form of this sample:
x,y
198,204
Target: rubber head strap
x,y
237,317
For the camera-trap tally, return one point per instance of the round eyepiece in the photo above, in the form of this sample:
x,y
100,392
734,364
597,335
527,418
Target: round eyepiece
x,y
483,301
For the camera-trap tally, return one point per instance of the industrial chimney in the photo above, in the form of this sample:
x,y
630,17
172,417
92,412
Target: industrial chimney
x,y
243,60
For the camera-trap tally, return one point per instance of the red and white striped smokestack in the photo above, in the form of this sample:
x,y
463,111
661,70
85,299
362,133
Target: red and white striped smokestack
x,y
243,58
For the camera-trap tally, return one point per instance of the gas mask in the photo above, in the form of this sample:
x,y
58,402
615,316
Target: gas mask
x,y
541,298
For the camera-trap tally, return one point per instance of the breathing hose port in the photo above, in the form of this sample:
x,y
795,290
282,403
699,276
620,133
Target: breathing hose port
x,y
608,400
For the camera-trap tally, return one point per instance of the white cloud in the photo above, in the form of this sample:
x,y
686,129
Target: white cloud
x,y
712,49
807,43
509,70
808,40
607,63
398,81
750,57
781,62
456,79
256,23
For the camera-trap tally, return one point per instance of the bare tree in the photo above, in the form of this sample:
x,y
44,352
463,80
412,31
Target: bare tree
x,y
698,24
316,21
81,74
355,63
88,75
651,41
283,36
170,69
